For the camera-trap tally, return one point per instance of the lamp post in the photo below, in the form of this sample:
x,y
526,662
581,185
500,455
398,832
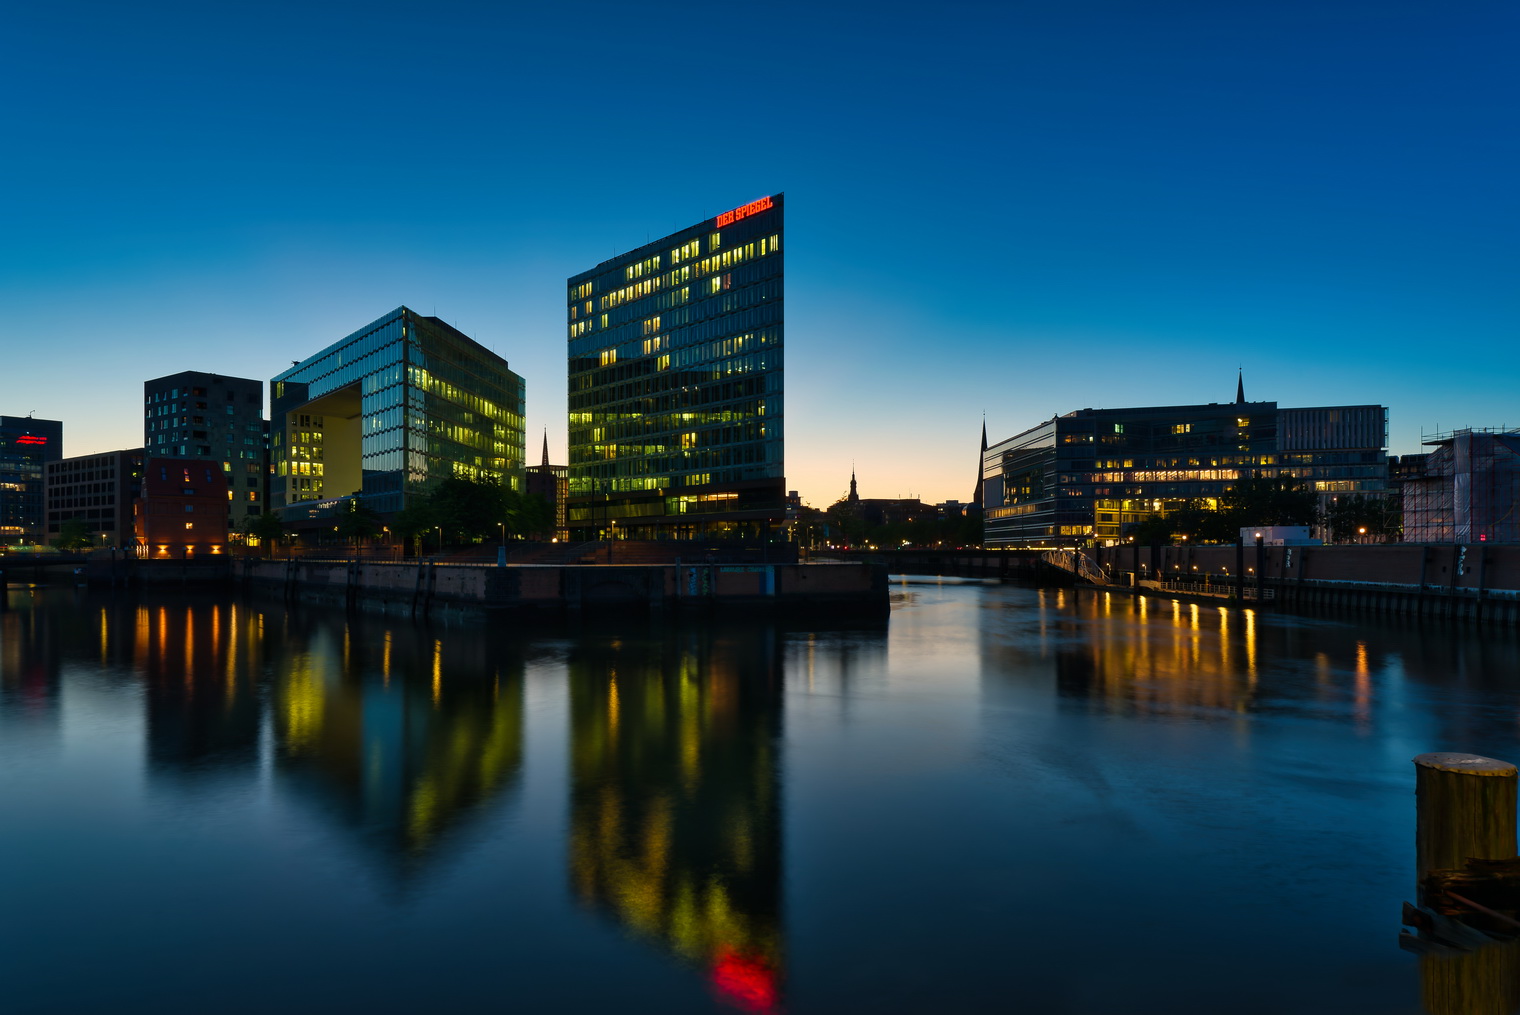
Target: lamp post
x,y
612,540
440,539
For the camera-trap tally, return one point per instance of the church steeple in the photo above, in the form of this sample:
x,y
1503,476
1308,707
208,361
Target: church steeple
x,y
853,495
1240,387
546,447
976,497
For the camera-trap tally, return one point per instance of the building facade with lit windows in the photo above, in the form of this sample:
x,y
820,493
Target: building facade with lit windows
x,y
182,511
27,445
675,384
97,491
209,417
387,413
1082,478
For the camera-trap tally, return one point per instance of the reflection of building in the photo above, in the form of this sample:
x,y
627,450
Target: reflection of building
x,y
1468,490
552,483
208,417
401,734
26,446
391,410
1089,473
676,796
675,380
202,702
183,508
97,491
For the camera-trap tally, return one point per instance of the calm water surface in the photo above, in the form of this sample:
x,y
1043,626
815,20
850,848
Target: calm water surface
x,y
1001,800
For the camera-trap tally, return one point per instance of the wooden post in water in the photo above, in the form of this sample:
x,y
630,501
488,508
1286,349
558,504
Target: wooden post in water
x,y
1464,807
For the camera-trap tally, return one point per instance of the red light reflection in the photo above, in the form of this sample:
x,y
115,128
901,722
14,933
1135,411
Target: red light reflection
x,y
745,981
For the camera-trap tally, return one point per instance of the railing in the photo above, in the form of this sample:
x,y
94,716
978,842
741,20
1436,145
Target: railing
x,y
1078,564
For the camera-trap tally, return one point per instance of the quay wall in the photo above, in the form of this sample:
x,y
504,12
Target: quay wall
x,y
423,586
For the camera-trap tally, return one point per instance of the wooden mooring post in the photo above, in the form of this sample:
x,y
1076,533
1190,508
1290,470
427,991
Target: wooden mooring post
x,y
1464,807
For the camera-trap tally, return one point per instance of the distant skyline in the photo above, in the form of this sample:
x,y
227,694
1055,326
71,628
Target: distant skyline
x,y
1009,209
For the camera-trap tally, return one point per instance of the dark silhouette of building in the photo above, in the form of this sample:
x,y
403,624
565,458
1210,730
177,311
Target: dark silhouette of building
x,y
27,445
97,491
183,508
209,417
552,483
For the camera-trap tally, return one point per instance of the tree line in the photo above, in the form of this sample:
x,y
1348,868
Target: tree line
x,y
457,512
1266,502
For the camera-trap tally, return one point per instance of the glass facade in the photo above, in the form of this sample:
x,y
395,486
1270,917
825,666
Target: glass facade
x,y
26,446
675,384
1085,476
389,411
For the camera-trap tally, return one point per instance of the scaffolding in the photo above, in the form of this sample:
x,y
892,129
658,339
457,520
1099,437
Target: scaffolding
x,y
1469,492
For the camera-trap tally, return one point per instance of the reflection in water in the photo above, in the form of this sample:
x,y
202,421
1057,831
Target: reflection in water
x,y
402,730
675,797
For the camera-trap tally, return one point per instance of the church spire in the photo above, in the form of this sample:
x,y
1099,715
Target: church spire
x,y
976,497
546,447
853,495
1240,387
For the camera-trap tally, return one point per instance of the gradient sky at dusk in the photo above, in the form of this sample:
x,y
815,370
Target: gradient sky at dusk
x,y
1015,208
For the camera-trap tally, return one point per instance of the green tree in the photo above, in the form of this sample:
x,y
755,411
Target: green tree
x,y
72,535
357,522
266,527
468,509
1271,502
413,522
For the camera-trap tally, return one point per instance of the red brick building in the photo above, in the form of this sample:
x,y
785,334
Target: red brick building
x,y
183,508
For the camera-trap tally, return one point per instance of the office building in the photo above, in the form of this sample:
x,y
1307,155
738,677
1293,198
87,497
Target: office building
x,y
1468,490
27,445
1086,476
182,511
387,413
209,417
97,491
675,384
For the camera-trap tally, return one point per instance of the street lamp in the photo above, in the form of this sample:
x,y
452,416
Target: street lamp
x,y
1361,533
440,539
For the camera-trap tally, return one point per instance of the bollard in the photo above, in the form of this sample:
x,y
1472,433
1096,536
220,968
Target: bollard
x,y
1464,807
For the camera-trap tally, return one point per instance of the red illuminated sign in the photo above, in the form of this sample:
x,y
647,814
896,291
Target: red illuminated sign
x,y
744,212
29,439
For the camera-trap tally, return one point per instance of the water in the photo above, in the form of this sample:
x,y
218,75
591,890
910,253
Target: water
x,y
1003,799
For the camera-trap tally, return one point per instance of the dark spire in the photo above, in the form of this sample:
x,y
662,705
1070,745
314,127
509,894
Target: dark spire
x,y
853,495
976,498
1240,387
546,446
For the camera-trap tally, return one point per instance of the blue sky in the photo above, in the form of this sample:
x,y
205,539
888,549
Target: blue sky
x,y
1016,209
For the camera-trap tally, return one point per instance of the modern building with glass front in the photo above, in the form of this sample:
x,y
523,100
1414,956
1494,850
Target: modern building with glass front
x,y
1082,478
27,445
675,384
387,413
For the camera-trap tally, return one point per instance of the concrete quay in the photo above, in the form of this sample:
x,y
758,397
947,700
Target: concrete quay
x,y
424,587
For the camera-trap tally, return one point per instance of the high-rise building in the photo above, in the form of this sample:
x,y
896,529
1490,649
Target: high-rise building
x,y
209,417
97,491
1085,476
388,412
26,446
675,384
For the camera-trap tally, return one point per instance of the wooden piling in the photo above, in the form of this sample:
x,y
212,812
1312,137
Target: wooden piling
x,y
1464,807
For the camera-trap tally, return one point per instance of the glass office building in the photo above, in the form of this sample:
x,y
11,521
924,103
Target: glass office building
x,y
27,445
675,384
1082,478
389,412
